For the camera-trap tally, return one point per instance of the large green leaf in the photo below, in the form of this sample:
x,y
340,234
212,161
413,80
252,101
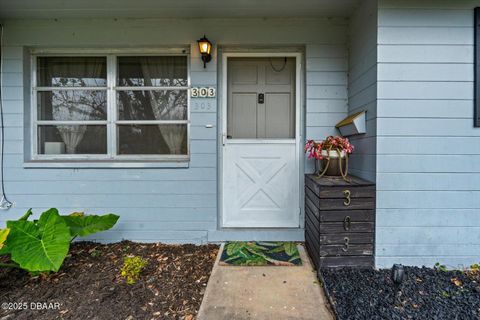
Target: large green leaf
x,y
26,215
4,249
83,225
41,245
3,236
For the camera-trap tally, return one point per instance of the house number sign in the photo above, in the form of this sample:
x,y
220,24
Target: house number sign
x,y
202,92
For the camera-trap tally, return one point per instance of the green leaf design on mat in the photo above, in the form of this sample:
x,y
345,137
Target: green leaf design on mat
x,y
243,253
290,248
277,250
234,247
251,261
295,257
41,245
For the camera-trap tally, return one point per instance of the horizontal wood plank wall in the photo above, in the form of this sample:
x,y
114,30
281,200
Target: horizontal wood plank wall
x,y
362,86
164,204
428,164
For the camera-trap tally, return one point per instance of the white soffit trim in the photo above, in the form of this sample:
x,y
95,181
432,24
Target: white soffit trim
x,y
175,9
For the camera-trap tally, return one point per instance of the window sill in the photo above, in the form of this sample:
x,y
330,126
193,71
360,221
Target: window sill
x,y
105,164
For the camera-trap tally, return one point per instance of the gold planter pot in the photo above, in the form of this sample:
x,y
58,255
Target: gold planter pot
x,y
331,163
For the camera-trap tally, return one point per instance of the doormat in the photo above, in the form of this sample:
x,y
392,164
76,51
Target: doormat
x,y
239,253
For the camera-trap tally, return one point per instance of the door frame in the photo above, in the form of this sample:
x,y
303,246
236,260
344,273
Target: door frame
x,y
222,123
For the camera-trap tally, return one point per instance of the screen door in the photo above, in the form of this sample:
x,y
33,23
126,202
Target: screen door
x,y
260,167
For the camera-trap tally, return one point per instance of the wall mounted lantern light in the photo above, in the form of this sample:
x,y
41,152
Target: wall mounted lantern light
x,y
205,47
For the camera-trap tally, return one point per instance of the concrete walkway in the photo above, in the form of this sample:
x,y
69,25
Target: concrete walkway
x,y
264,293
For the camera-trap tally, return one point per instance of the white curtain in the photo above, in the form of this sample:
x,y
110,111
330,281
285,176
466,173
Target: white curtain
x,y
71,136
75,105
166,105
66,105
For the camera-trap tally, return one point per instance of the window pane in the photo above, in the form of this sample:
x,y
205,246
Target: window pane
x,y
152,139
166,71
72,72
65,105
72,139
152,105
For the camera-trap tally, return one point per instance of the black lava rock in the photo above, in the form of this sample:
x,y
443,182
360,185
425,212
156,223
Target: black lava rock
x,y
425,294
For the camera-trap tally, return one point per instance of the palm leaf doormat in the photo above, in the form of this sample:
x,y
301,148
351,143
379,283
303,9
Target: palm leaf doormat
x,y
239,253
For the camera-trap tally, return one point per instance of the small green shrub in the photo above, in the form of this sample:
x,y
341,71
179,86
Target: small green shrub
x,y
95,253
42,245
132,268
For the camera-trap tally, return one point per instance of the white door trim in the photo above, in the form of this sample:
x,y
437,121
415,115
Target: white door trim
x,y
223,119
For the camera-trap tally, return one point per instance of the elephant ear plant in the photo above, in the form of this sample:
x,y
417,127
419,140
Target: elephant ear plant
x,y
3,236
42,245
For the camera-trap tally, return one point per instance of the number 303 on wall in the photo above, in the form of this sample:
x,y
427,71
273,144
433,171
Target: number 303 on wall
x,y
203,92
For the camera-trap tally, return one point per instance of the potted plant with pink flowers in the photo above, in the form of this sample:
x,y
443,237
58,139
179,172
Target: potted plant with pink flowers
x,y
331,155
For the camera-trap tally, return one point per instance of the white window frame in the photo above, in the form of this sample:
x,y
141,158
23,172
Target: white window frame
x,y
112,114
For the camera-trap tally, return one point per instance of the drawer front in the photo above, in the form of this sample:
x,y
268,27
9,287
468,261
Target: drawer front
x,y
339,238
338,191
339,227
346,203
346,249
342,192
346,215
347,261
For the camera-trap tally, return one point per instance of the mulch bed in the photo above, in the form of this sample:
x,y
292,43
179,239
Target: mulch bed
x,y
425,294
89,285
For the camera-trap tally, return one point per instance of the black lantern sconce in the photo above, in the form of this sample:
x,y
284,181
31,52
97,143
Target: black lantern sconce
x,y
205,47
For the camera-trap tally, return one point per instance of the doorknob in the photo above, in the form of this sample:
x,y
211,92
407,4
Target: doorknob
x,y
261,98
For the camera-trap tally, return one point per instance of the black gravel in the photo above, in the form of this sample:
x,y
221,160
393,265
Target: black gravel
x,y
425,294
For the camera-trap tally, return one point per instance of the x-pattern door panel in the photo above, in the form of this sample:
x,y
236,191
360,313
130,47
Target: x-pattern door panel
x,y
260,188
260,182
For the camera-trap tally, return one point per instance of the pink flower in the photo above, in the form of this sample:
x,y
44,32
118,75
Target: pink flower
x,y
314,149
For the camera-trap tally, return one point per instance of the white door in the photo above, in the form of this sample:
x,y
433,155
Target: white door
x,y
260,163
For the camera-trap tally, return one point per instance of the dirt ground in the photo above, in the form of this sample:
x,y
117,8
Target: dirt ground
x,y
89,284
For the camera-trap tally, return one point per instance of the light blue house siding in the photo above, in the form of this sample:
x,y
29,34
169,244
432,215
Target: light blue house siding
x,y
362,86
428,152
162,204
409,63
